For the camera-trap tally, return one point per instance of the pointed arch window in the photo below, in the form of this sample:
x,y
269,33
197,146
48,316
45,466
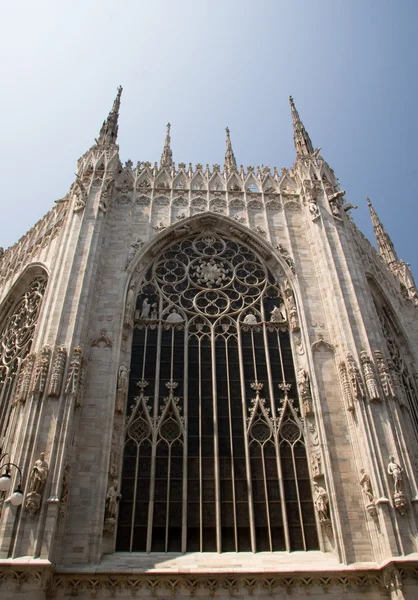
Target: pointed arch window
x,y
214,457
16,336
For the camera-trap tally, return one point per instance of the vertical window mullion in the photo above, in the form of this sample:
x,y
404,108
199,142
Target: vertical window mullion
x,y
200,450
131,541
302,528
216,445
167,510
266,495
279,467
185,445
246,445
231,437
154,441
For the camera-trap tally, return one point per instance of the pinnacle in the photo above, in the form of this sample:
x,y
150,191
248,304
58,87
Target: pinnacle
x,y
167,153
109,131
230,162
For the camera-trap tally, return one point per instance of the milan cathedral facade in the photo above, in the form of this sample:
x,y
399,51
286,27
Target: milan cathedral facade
x,y
208,386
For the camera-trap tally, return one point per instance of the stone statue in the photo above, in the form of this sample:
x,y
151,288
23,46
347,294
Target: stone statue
x,y
130,306
321,502
369,376
278,314
58,369
396,471
154,311
304,388
112,499
39,474
313,209
285,254
385,376
122,389
123,378
291,308
146,309
355,377
366,484
250,319
174,317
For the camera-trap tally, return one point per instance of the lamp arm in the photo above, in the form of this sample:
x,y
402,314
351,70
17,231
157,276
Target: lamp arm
x,y
8,465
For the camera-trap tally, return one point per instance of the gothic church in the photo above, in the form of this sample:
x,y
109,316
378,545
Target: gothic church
x,y
208,387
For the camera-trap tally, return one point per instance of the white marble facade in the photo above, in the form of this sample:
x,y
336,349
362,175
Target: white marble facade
x,y
68,307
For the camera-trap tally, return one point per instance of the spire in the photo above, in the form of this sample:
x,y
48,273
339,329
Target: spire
x,y
109,131
230,163
301,137
167,154
384,243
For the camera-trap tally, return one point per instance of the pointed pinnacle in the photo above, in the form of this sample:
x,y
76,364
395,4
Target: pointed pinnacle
x,y
301,137
167,154
109,131
230,162
384,243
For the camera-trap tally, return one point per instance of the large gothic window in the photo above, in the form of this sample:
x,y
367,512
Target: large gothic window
x,y
214,455
402,374
16,335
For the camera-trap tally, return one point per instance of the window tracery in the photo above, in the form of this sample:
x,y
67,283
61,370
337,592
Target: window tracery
x,y
16,337
210,465
403,379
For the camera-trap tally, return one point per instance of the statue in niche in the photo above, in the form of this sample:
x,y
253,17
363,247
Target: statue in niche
x,y
174,317
130,306
355,377
111,508
278,314
316,464
366,484
396,471
250,319
285,254
112,499
321,503
39,474
122,389
304,391
291,308
146,309
385,376
154,312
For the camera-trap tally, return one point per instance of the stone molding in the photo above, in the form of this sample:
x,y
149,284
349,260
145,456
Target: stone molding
x,y
54,582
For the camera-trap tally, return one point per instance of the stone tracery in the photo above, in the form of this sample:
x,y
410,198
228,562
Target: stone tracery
x,y
223,296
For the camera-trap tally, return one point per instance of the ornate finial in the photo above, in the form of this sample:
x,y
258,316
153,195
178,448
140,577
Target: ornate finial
x,y
167,154
109,131
230,163
301,137
384,243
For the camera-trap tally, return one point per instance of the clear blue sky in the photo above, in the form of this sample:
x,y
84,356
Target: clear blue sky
x,y
351,66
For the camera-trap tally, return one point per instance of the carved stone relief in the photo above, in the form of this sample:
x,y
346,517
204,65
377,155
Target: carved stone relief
x,y
41,370
37,482
369,376
58,369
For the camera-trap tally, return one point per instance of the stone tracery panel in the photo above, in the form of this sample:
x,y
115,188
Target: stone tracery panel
x,y
16,335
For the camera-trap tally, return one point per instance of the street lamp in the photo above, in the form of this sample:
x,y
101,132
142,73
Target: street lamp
x,y
16,498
